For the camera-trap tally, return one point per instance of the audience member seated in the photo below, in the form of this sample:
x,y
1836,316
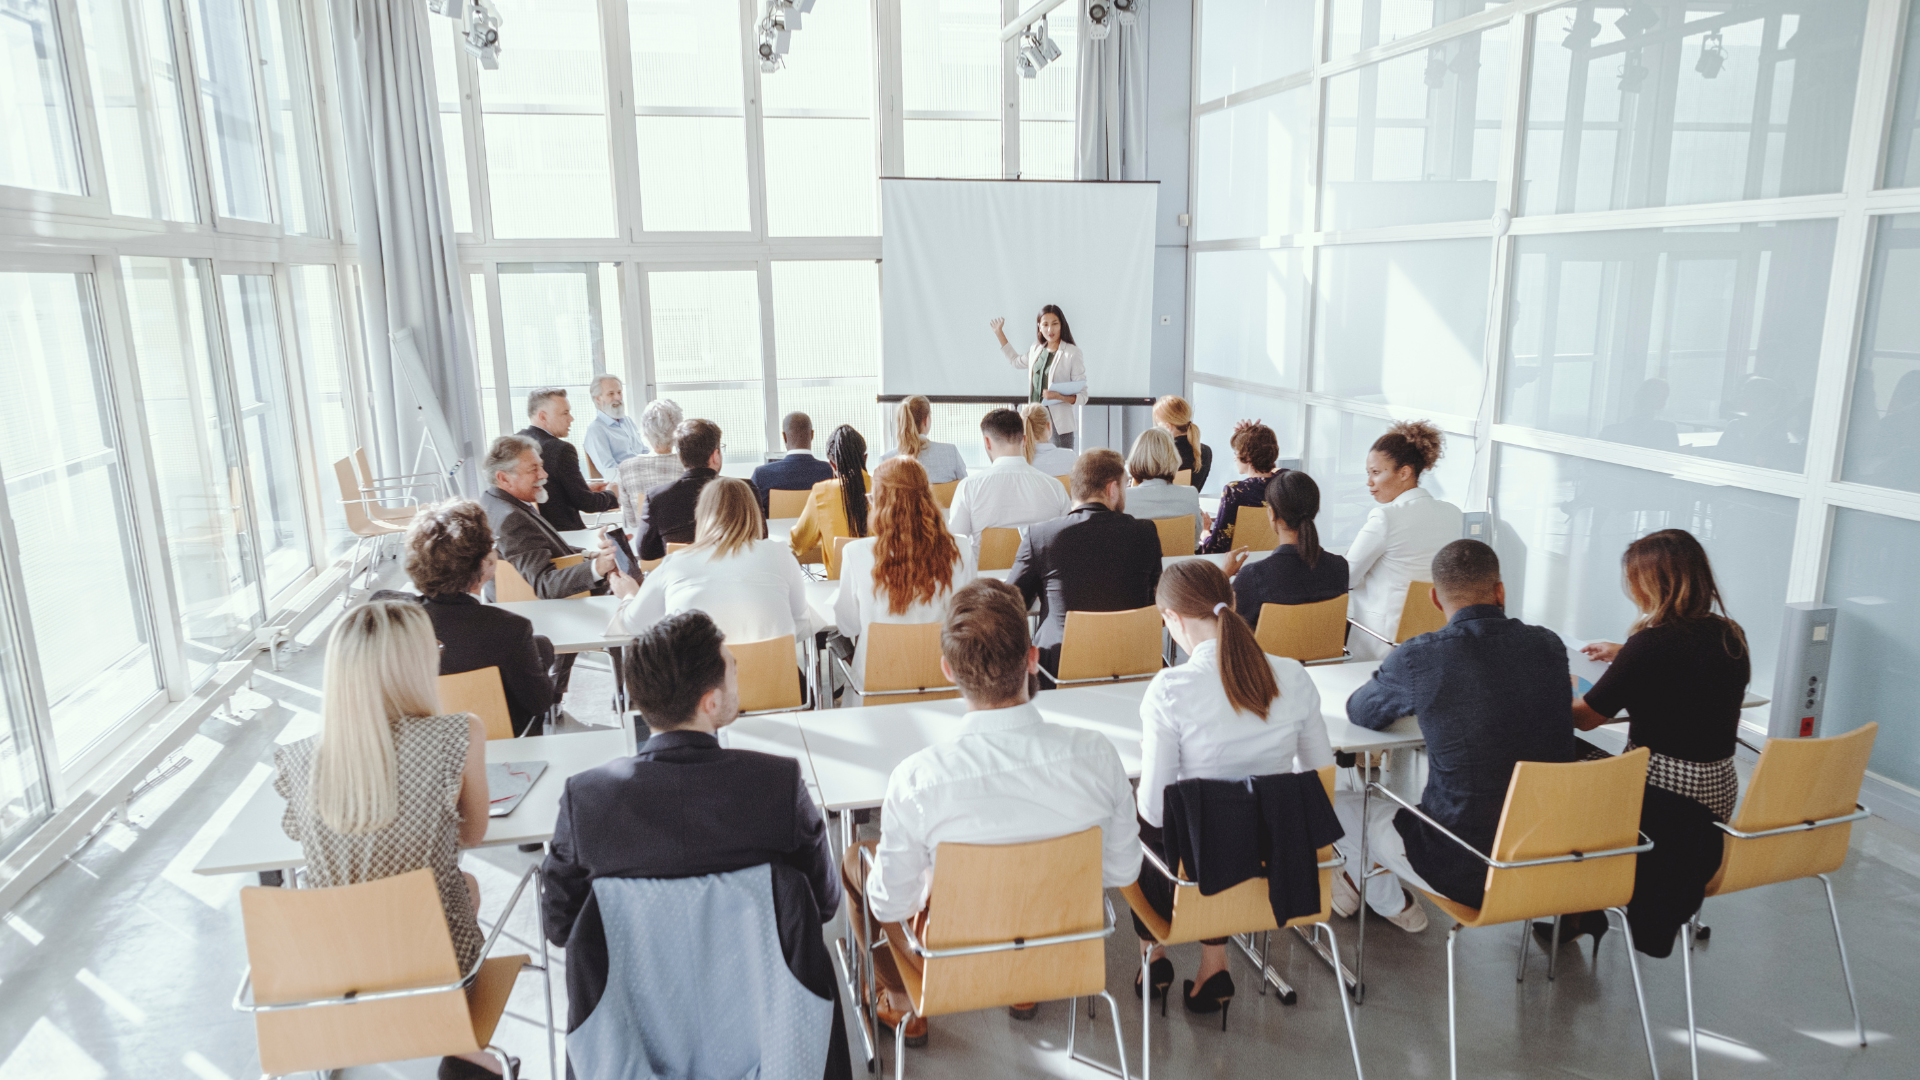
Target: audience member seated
x,y
1488,691
1299,571
836,507
912,421
685,807
1154,494
1255,453
1010,493
1230,712
391,785
1681,676
1041,453
1008,778
612,437
799,470
750,587
1401,534
667,515
1173,415
1096,558
450,558
909,569
643,472
569,494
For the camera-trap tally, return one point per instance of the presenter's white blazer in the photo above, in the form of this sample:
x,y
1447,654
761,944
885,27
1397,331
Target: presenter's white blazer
x,y
1395,548
1069,366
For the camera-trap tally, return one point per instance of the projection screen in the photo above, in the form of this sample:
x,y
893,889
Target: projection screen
x,y
957,253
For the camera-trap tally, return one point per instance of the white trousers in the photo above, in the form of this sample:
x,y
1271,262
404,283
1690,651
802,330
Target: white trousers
x,y
1384,848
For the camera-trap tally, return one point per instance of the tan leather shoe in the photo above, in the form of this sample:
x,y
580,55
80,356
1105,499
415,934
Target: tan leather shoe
x,y
890,1017
1026,1011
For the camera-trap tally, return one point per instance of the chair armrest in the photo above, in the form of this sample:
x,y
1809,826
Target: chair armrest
x,y
920,950
1496,864
1859,813
1367,631
1153,859
1745,743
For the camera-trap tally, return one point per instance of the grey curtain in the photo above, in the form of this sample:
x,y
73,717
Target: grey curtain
x,y
1110,129
409,262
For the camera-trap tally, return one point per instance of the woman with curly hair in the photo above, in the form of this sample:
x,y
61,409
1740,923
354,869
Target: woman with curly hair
x,y
1256,450
1401,535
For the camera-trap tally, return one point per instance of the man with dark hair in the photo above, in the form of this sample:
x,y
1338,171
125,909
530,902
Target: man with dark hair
x,y
1097,558
1489,692
1010,493
569,494
1008,778
666,516
799,470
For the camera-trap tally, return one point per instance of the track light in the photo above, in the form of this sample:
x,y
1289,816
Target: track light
x,y
1099,19
1638,20
1581,31
776,31
1044,41
1037,50
1126,11
1436,69
452,9
482,36
1713,56
1633,76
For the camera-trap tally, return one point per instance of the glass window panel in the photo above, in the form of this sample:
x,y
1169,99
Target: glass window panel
x,y
1245,43
323,347
1353,25
1250,314
950,87
1702,340
706,325
497,423
1416,139
37,147
1903,164
551,315
613,331
1875,674
195,448
693,173
66,495
956,424
741,412
1255,167
296,154
548,169
832,403
1883,423
957,149
1047,103
1217,409
1337,460
1631,111
266,424
692,128
1403,324
826,319
817,131
1560,524
23,794
235,154
447,58
136,99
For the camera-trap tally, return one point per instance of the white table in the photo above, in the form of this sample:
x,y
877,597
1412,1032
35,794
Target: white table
x,y
576,625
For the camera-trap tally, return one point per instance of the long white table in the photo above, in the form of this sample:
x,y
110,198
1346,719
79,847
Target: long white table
x,y
576,625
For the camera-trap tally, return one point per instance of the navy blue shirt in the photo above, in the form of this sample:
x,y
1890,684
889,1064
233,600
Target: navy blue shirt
x,y
1285,578
1489,691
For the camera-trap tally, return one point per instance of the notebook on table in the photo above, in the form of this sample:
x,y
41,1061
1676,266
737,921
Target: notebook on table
x,y
507,784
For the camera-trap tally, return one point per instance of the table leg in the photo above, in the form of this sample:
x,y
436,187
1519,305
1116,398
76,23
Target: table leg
x,y
853,957
1360,915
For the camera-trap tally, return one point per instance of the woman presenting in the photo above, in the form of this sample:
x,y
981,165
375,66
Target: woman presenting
x,y
1054,358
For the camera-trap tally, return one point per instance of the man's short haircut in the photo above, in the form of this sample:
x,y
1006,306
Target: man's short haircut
x,y
795,424
600,380
671,667
504,456
1093,470
1004,425
538,399
1465,569
446,546
695,441
985,640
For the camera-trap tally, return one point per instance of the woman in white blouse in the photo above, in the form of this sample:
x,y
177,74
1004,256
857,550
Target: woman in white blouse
x,y
1230,712
1042,454
1053,360
908,569
1401,535
941,459
752,588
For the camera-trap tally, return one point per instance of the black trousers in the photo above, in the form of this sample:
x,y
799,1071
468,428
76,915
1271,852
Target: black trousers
x,y
1063,440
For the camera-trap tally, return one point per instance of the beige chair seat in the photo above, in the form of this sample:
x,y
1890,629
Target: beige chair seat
x,y
1309,633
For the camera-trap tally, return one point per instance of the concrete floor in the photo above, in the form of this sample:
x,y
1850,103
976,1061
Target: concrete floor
x,y
123,963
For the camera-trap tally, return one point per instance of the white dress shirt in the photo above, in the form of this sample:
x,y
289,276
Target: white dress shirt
x,y
1157,498
1010,778
1395,548
1009,494
941,460
752,595
861,602
1190,731
1053,460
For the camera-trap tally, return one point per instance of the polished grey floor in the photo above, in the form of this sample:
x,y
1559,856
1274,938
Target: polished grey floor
x,y
124,962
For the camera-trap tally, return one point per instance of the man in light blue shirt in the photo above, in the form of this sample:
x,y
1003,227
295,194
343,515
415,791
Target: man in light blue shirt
x,y
612,437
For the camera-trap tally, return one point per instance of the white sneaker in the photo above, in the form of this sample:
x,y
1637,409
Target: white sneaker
x,y
1346,898
1412,918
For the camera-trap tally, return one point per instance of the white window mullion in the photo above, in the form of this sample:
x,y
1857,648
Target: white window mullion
x,y
623,141
888,123
1009,96
755,106
1506,203
769,363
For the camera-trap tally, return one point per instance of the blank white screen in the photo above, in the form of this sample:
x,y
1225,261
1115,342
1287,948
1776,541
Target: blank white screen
x,y
956,253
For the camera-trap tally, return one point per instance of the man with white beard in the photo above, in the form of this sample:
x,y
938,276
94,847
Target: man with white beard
x,y
612,437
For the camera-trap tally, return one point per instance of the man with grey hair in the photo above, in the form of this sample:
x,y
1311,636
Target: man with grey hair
x,y
612,437
569,492
643,471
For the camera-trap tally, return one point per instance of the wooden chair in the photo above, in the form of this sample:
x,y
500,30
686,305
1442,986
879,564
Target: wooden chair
x,y
1253,529
1242,909
1108,646
510,587
769,676
998,548
481,693
787,504
367,529
833,565
903,664
943,493
1309,633
648,566
1009,923
1066,482
364,974
1417,613
1183,478
1565,841
1176,535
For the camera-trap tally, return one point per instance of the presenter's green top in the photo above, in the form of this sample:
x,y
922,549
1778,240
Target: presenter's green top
x,y
1040,369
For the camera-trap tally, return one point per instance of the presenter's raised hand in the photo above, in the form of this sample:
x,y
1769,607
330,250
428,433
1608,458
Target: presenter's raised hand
x,y
997,323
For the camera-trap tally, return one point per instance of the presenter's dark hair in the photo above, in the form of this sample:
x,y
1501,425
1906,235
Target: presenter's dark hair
x,y
847,453
1294,500
671,667
1066,332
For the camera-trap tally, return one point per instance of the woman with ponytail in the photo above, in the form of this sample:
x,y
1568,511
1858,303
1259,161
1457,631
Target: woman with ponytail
x,y
1402,534
836,507
1041,453
912,421
1231,711
1299,571
1173,415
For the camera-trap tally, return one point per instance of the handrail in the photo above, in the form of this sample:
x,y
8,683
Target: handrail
x,y
1160,864
1496,864
1372,634
913,940
1860,813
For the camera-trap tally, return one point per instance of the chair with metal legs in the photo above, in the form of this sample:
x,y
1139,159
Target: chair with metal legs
x,y
1107,647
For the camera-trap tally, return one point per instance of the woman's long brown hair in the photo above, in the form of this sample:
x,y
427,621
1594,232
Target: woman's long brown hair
x,y
1194,588
913,553
1671,581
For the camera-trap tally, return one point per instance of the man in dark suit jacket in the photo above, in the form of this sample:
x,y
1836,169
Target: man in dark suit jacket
x,y
568,493
1096,558
799,470
667,515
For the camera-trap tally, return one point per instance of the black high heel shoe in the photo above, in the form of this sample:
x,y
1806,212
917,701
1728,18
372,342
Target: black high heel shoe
x,y
1571,927
1162,972
1214,996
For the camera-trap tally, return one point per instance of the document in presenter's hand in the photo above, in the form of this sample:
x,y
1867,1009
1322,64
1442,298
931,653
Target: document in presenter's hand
x,y
1069,388
507,784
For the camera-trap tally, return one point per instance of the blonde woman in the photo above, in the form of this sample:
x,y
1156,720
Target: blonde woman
x,y
752,588
391,784
1174,416
912,421
1041,453
1151,464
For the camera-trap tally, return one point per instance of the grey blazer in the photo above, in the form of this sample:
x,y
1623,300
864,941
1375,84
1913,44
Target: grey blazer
x,y
525,539
1159,499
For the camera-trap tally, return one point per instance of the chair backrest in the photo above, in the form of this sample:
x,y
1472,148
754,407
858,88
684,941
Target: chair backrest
x,y
359,522
1244,908
562,562
481,693
1066,481
389,934
943,493
361,463
1176,535
1417,614
984,894
1183,478
509,586
1253,529
998,547
903,663
788,504
1557,809
672,547
769,677
833,564
593,471
1796,780
1110,644
1305,632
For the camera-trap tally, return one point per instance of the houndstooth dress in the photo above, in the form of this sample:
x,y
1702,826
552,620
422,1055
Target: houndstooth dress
x,y
432,751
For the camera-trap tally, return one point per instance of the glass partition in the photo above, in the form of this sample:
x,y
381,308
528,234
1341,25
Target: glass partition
x,y
266,425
